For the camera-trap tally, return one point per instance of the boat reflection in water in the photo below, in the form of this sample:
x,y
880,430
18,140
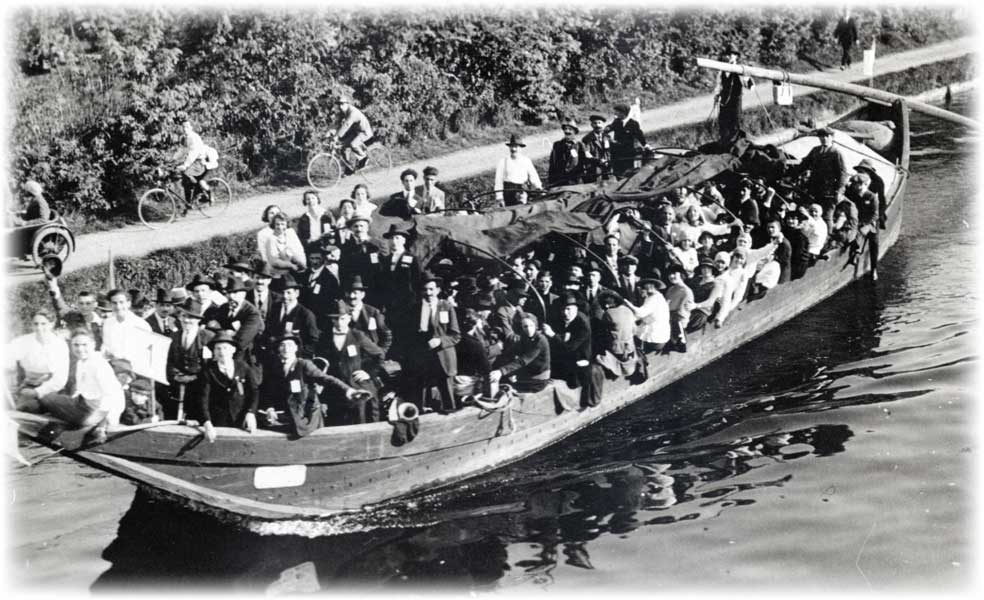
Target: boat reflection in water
x,y
689,452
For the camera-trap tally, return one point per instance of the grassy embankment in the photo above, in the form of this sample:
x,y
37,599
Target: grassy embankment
x,y
170,267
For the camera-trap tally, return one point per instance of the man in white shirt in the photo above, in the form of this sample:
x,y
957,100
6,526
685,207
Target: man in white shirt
x,y
95,396
514,172
433,197
117,329
815,230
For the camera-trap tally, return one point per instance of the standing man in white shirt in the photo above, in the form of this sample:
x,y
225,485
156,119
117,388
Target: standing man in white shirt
x,y
433,196
514,172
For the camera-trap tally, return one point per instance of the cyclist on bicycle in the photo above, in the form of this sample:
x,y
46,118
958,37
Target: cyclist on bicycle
x,y
352,130
200,163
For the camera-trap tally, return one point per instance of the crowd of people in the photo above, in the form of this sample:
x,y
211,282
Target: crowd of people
x,y
325,325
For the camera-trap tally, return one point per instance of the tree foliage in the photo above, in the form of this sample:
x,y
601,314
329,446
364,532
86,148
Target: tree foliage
x,y
99,94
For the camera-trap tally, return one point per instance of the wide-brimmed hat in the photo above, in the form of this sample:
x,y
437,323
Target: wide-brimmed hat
x,y
179,295
823,131
263,270
163,297
657,283
225,336
628,260
729,49
238,266
288,282
235,285
395,230
570,123
193,309
339,308
515,140
429,276
355,283
570,299
288,335
866,164
200,279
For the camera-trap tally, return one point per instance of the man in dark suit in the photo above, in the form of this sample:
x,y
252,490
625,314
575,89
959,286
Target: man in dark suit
x,y
430,351
185,358
226,390
202,290
397,281
597,151
162,320
544,287
570,345
261,296
628,280
406,203
526,360
566,157
360,256
241,317
353,358
322,289
783,253
627,141
288,316
367,319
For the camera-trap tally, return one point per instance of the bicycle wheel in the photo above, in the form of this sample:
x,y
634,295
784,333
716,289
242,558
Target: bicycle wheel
x,y
324,171
157,208
379,158
221,198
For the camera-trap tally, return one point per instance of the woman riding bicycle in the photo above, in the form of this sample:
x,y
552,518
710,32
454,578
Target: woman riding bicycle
x,y
200,163
352,129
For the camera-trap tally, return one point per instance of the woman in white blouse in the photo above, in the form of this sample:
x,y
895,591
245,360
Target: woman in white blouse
x,y
264,234
360,197
652,316
40,359
284,248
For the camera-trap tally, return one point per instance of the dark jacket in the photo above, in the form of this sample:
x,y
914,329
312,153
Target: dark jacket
x,y
272,298
298,401
784,256
571,343
249,323
225,401
396,286
397,206
373,323
527,358
298,320
171,325
443,326
320,295
186,363
473,356
566,157
360,259
358,353
304,226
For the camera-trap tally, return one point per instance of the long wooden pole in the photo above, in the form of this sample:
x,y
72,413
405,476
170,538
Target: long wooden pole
x,y
837,86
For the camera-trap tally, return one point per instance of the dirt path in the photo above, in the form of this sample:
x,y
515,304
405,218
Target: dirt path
x,y
92,249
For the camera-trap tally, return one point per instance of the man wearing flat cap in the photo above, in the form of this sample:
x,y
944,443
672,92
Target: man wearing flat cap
x,y
827,173
433,196
514,172
597,151
727,95
406,203
566,156
431,352
627,143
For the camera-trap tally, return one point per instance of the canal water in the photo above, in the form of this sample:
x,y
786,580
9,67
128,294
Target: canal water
x,y
836,452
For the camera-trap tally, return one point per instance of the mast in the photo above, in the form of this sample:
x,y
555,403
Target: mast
x,y
837,86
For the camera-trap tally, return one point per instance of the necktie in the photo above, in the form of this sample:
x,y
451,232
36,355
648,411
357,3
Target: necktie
x,y
287,366
233,305
259,305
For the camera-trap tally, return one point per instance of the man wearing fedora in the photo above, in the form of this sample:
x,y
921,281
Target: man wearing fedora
x,y
627,142
360,256
354,359
727,94
566,156
289,316
185,357
570,344
203,290
406,203
321,287
261,296
369,319
226,391
514,172
430,351
398,280
162,320
597,151
240,317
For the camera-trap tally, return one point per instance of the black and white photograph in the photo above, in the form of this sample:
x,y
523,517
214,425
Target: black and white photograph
x,y
491,299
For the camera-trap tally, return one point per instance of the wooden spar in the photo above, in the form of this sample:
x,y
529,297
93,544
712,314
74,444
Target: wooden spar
x,y
837,86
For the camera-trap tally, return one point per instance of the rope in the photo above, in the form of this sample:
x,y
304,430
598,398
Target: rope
x,y
766,110
502,404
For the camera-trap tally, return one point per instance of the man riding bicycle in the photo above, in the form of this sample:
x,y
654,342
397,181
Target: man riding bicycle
x,y
352,129
200,163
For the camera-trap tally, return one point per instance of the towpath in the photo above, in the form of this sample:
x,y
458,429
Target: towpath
x,y
243,215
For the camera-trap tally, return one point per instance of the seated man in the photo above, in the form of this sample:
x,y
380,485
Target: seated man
x,y
526,361
200,163
94,397
473,358
34,211
570,345
680,301
618,350
352,130
406,203
355,360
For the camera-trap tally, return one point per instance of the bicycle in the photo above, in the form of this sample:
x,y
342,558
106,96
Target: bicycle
x,y
158,206
327,168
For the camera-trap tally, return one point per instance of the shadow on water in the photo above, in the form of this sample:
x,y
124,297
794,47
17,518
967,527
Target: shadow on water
x,y
686,453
